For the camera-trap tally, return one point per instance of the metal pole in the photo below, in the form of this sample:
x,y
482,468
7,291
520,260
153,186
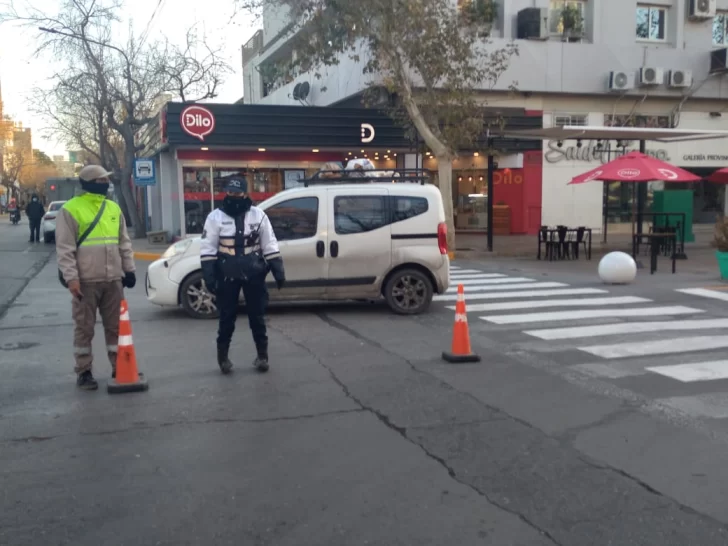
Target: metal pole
x,y
641,195
491,168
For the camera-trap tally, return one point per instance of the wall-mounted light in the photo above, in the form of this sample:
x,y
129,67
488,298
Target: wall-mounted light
x,y
315,150
204,148
261,149
349,153
560,143
578,143
476,154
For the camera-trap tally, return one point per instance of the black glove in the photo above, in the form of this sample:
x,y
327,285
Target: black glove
x,y
276,268
208,275
129,280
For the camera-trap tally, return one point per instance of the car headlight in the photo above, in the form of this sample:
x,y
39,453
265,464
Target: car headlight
x,y
177,248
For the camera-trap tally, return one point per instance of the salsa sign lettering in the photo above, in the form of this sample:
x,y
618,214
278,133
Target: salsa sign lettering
x,y
197,121
589,152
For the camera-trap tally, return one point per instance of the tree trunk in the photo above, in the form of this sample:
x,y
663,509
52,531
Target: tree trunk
x,y
444,172
140,226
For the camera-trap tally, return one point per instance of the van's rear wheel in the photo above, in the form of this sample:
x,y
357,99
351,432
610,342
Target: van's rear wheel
x,y
408,292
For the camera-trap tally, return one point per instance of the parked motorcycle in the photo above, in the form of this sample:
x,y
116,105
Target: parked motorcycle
x,y
15,216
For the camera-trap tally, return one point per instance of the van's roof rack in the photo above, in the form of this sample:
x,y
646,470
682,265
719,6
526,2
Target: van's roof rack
x,y
374,176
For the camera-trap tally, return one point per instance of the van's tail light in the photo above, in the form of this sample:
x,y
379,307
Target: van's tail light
x,y
442,237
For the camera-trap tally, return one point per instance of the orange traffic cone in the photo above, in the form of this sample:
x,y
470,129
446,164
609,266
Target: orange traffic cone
x,y
128,378
461,351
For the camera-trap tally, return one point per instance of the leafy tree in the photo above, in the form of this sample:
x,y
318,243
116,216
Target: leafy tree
x,y
107,88
12,162
432,59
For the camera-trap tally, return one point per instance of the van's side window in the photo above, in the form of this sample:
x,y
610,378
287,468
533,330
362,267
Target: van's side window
x,y
294,218
359,214
405,208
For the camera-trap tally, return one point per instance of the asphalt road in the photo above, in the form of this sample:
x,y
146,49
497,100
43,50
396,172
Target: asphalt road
x,y
19,260
360,434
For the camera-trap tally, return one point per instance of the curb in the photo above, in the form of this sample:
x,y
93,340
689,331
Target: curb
x,y
147,256
37,268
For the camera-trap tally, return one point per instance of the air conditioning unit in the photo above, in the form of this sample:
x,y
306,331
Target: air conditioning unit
x,y
680,78
649,75
621,81
719,61
702,9
533,24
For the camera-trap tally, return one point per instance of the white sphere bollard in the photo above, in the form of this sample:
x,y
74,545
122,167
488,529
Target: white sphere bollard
x,y
617,268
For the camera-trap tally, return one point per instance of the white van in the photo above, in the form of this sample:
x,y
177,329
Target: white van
x,y
339,242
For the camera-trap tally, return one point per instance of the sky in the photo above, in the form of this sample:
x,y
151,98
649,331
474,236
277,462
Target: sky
x,y
20,71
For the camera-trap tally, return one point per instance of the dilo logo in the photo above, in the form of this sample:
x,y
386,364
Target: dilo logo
x,y
197,121
367,128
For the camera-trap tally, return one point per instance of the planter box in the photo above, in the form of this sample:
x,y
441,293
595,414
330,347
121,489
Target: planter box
x,y
501,220
722,258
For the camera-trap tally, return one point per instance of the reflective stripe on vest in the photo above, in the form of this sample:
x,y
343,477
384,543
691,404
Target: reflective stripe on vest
x,y
84,209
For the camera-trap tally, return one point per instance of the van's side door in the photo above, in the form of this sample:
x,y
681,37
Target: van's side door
x,y
300,223
360,241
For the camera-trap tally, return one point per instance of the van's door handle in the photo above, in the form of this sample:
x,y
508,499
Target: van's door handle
x,y
334,249
320,249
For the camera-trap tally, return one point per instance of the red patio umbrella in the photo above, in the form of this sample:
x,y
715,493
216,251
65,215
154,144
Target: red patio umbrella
x,y
719,176
636,167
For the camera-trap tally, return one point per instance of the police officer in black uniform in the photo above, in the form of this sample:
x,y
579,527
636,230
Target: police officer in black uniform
x,y
237,251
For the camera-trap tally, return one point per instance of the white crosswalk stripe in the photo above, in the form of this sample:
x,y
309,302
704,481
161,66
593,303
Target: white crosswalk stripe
x,y
579,314
508,294
480,307
633,336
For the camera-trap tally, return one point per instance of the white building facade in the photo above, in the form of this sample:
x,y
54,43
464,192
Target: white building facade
x,y
661,63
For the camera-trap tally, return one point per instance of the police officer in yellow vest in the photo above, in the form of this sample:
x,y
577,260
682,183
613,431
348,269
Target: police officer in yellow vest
x,y
95,260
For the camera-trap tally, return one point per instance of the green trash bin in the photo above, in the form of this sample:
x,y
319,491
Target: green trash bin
x,y
676,201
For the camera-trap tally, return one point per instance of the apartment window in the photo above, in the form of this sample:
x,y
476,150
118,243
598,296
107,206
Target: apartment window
x,y
556,18
720,29
563,120
651,23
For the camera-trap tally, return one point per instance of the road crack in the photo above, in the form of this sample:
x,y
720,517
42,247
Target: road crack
x,y
402,431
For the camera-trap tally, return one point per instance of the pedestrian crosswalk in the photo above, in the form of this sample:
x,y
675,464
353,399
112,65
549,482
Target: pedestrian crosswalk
x,y
676,342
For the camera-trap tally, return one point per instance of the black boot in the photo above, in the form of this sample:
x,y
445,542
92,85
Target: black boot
x,y
87,382
261,361
222,359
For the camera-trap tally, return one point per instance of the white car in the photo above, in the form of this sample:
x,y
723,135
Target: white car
x,y
339,242
48,226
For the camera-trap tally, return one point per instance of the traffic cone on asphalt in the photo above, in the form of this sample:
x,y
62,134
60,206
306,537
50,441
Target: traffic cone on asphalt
x,y
128,378
461,351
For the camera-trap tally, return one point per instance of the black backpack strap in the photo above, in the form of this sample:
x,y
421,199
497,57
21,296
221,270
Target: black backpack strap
x,y
93,224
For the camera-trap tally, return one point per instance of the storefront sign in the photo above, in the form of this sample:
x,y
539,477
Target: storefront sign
x,y
705,158
508,176
589,153
197,121
367,128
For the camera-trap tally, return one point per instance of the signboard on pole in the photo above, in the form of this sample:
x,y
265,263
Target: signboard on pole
x,y
144,174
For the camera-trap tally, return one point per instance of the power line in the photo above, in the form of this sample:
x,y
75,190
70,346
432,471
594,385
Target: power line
x,y
157,10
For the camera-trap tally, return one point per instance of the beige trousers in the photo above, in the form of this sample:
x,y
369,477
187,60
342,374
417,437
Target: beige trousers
x,y
106,298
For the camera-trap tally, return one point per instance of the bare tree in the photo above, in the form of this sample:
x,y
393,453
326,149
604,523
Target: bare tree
x,y
12,163
434,58
106,90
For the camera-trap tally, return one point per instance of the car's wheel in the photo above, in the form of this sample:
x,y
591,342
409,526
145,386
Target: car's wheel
x,y
47,237
408,292
196,300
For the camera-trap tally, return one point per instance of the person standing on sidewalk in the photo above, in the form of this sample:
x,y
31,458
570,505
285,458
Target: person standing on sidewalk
x,y
35,212
95,263
237,250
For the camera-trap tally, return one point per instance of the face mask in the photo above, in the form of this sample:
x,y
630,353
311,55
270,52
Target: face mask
x,y
235,206
35,199
99,188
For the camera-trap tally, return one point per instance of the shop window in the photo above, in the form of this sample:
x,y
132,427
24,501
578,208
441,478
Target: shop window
x,y
405,208
197,197
295,218
359,214
720,29
651,23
